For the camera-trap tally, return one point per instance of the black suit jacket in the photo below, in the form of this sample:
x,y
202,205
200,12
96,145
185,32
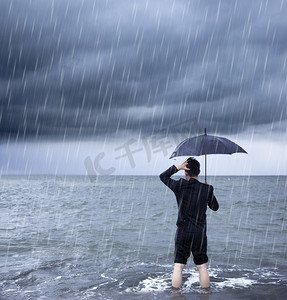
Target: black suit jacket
x,y
192,198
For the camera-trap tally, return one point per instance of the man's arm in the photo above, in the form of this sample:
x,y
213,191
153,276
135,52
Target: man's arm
x,y
211,201
165,177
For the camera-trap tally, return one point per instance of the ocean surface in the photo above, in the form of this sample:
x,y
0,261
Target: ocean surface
x,y
82,237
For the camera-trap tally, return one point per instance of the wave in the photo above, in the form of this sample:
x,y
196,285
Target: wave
x,y
61,279
220,278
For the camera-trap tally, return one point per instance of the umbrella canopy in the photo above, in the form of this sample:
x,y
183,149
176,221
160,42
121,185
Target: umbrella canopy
x,y
206,144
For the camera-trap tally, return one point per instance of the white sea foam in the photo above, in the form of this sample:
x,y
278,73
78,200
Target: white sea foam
x,y
193,278
157,284
222,279
235,283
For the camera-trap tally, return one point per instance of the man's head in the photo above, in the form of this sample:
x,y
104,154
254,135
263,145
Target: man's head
x,y
194,167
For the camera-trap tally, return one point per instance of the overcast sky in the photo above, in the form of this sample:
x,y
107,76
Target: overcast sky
x,y
82,83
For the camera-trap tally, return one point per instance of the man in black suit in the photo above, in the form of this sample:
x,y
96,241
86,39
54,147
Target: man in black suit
x,y
192,198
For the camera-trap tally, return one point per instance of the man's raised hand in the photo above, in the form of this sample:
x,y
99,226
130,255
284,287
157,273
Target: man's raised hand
x,y
183,166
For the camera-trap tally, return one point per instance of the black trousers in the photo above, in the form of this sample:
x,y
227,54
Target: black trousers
x,y
187,242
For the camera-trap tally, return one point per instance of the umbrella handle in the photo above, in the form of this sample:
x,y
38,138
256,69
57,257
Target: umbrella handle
x,y
205,161
205,168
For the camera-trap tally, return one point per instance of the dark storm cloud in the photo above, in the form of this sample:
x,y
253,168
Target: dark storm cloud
x,y
79,69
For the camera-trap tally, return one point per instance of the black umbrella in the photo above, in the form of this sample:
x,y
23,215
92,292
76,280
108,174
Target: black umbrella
x,y
206,144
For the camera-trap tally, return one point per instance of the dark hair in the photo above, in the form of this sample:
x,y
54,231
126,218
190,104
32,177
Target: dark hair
x,y
194,167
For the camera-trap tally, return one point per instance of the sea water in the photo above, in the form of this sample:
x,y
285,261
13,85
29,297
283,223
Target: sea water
x,y
112,237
